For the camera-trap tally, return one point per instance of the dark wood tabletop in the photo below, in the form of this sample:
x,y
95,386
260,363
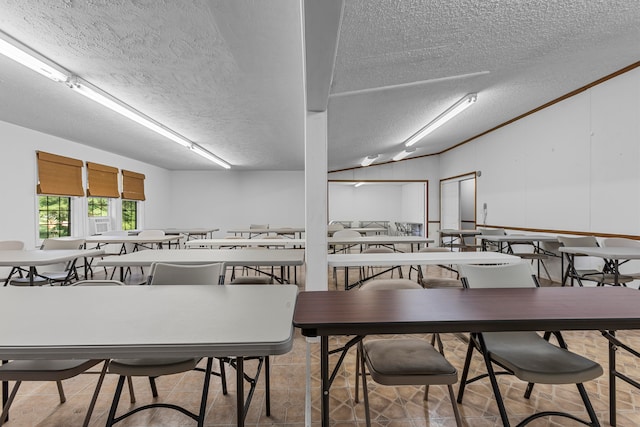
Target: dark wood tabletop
x,y
322,313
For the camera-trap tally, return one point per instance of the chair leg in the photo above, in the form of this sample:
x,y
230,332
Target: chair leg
x,y
454,405
114,404
223,377
132,394
267,384
154,389
587,405
63,398
12,395
96,392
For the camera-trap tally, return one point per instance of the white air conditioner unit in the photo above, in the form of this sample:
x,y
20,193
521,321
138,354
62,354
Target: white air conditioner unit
x,y
100,225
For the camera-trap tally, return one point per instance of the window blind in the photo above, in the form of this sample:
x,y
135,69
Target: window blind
x,y
102,180
132,185
59,175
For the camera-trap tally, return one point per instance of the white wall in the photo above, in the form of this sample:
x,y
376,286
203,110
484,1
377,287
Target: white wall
x,y
18,178
570,167
228,199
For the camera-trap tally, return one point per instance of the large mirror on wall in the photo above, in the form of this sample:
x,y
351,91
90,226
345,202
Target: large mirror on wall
x,y
458,202
400,207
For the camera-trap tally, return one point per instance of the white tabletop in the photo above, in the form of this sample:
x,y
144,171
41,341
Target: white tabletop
x,y
231,257
365,230
104,239
101,322
420,258
244,242
38,257
378,240
189,231
279,230
608,252
454,232
518,238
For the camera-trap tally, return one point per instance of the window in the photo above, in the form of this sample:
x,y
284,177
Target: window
x,y
98,206
54,216
129,214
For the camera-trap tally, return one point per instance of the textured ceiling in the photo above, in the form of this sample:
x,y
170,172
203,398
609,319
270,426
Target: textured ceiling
x,y
228,74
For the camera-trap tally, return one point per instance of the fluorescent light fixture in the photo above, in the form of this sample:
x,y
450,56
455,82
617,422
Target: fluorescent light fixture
x,y
404,153
22,55
358,184
369,159
450,113
123,109
207,155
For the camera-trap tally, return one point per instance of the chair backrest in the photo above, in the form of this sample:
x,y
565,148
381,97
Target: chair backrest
x,y
183,274
151,233
51,244
333,227
383,284
493,231
8,245
258,226
579,241
347,233
518,275
619,242
378,250
98,282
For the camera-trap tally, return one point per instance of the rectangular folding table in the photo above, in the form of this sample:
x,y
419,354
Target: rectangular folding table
x,y
78,322
606,309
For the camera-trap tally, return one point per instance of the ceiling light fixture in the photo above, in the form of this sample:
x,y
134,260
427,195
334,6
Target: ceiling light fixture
x,y
404,153
207,155
450,113
358,184
21,54
369,159
16,51
114,104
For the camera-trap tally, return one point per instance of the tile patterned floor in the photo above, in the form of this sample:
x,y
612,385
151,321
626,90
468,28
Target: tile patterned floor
x,y
37,403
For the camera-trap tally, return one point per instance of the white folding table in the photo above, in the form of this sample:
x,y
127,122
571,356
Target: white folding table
x,y
415,258
380,239
35,258
230,257
168,321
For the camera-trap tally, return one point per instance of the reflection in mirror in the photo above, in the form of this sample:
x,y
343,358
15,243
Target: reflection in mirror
x,y
391,207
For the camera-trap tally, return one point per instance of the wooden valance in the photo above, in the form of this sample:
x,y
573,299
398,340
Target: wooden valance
x,y
102,180
132,185
59,175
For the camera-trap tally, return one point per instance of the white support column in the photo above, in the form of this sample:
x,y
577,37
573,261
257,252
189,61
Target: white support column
x,y
316,220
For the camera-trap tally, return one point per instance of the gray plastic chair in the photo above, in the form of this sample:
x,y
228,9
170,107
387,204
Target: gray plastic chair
x,y
405,361
598,275
11,245
169,274
63,274
526,355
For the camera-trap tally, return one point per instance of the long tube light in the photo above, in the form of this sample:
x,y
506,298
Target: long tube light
x,y
119,107
404,153
207,155
369,159
14,50
450,113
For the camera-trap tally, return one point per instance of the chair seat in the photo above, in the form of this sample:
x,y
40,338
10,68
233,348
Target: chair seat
x,y
441,282
252,280
598,276
151,367
407,362
44,370
535,360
